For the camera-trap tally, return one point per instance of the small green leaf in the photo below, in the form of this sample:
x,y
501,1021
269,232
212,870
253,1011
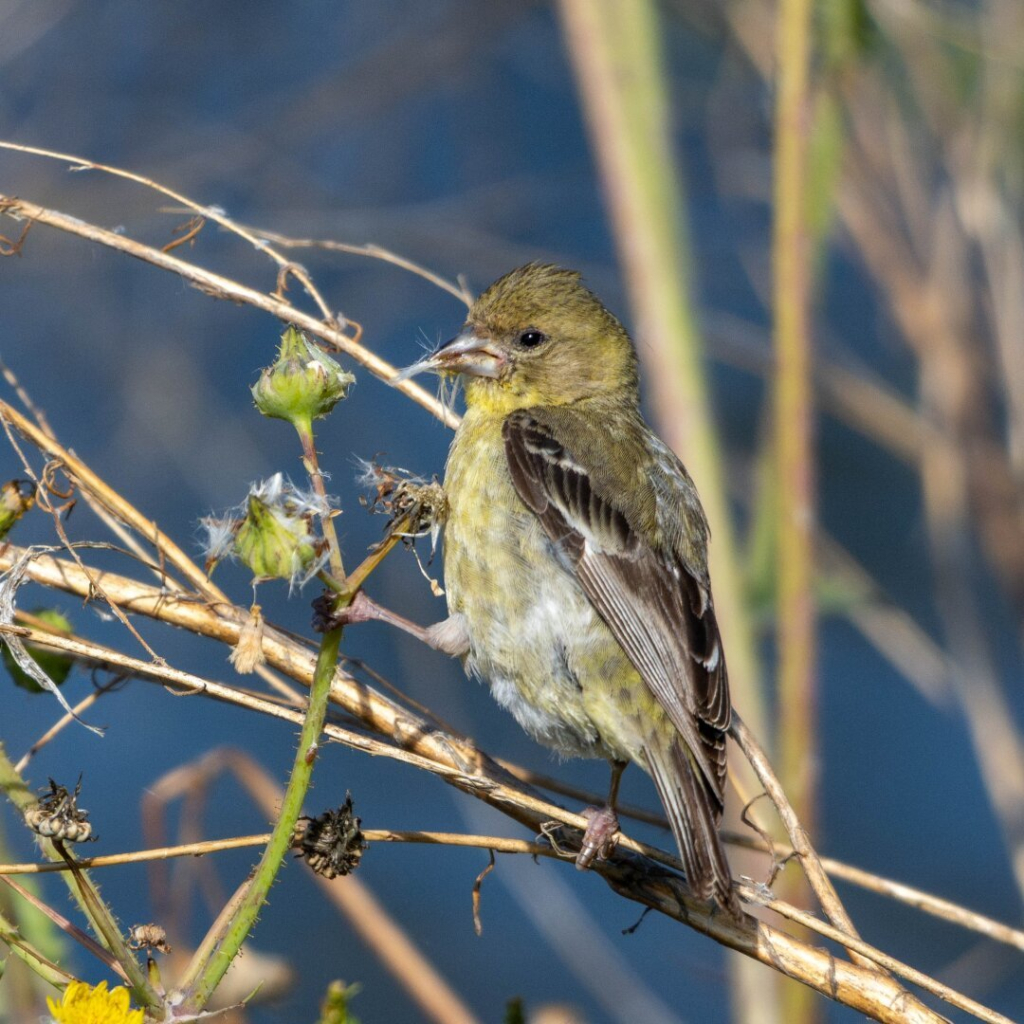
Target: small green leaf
x,y
16,498
56,665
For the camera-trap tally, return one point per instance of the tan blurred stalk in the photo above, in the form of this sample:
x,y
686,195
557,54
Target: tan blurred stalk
x,y
793,446
614,49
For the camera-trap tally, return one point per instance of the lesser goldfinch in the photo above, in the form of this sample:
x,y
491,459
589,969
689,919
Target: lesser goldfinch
x,y
575,558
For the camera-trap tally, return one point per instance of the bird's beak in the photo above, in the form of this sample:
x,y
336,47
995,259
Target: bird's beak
x,y
465,353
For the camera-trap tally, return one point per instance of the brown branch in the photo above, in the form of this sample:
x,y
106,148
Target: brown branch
x,y
470,770
107,658
872,955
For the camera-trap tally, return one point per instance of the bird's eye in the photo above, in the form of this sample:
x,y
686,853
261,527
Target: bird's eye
x,y
531,338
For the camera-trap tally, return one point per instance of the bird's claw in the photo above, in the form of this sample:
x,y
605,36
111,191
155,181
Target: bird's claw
x,y
550,831
600,838
326,616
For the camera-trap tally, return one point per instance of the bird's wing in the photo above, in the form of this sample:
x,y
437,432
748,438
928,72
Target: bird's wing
x,y
656,607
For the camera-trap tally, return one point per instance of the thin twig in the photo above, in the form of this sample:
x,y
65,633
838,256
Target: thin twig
x,y
204,212
376,252
819,881
220,287
755,894
65,720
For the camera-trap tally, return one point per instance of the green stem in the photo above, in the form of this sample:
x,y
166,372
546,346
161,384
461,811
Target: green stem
x,y
86,894
209,974
311,463
349,586
105,925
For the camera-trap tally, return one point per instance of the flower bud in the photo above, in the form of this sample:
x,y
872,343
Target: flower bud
x,y
303,385
276,539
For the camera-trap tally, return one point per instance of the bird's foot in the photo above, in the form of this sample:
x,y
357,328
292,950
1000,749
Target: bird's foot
x,y
325,616
553,832
599,840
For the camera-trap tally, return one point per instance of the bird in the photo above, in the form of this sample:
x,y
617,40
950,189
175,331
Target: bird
x,y
576,559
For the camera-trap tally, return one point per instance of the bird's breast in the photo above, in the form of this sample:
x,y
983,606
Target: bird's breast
x,y
534,636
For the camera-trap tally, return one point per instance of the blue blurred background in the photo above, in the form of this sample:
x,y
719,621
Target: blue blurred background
x,y
452,133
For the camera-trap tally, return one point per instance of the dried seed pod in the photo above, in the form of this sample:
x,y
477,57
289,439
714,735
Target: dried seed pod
x,y
332,844
148,936
58,816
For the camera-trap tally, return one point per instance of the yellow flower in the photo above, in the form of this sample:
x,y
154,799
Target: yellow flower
x,y
83,1004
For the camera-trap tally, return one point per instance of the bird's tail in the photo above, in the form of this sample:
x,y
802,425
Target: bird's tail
x,y
693,812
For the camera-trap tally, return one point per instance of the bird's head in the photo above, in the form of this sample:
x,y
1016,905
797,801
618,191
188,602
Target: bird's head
x,y
537,337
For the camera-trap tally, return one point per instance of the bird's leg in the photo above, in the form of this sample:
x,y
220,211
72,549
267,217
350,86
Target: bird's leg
x,y
448,636
602,824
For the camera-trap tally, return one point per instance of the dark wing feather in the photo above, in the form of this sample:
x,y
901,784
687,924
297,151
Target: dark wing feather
x,y
693,813
657,609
